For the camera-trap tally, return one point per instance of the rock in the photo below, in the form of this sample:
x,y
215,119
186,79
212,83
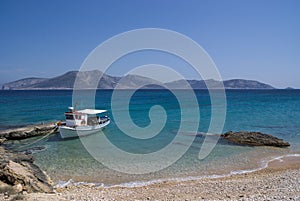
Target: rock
x,y
6,155
29,175
2,140
254,139
34,150
28,131
18,188
18,171
6,189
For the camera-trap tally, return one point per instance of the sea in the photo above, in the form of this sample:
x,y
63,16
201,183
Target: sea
x,y
130,151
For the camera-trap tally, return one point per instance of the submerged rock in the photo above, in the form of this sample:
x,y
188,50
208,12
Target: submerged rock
x,y
254,139
18,172
34,150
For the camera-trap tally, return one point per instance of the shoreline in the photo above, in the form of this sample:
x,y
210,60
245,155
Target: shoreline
x,y
143,183
237,184
279,180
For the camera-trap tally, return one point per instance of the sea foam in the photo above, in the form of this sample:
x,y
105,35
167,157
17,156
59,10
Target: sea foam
x,y
133,184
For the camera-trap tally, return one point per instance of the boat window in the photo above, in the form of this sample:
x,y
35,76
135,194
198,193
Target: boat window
x,y
70,117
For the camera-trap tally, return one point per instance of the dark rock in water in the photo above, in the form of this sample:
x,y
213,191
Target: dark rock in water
x,y
18,172
254,139
28,131
34,150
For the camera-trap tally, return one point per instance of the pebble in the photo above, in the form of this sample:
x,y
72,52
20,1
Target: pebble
x,y
18,188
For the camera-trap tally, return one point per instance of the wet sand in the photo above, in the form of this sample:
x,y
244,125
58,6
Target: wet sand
x,y
280,181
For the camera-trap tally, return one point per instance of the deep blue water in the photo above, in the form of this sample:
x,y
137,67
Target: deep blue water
x,y
276,112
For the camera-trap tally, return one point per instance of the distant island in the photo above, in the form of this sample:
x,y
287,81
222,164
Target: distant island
x,y
67,80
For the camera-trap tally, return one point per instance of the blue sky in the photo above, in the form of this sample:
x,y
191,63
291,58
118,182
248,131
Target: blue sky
x,y
246,39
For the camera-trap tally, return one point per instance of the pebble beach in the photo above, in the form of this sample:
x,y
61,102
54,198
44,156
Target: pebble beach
x,y
279,181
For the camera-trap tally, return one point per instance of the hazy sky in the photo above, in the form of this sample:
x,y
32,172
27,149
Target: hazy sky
x,y
246,39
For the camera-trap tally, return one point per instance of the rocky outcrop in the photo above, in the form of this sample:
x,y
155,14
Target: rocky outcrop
x,y
18,173
28,131
254,139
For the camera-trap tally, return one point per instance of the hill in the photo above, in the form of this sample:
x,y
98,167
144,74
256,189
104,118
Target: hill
x,y
228,84
23,83
87,78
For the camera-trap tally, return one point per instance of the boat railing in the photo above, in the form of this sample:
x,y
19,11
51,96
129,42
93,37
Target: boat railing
x,y
103,119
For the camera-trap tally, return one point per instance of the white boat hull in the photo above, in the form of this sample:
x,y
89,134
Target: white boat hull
x,y
79,131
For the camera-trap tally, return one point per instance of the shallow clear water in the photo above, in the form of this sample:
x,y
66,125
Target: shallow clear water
x,y
270,111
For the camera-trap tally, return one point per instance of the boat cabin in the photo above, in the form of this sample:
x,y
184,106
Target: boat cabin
x,y
86,117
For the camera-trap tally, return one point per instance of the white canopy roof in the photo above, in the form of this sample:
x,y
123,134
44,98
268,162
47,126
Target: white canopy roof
x,y
91,111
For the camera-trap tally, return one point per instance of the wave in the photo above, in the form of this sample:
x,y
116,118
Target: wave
x,y
264,164
63,184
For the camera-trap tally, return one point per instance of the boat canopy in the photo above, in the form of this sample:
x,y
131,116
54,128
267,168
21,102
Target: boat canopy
x,y
91,111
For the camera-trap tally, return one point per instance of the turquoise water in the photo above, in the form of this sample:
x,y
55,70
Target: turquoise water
x,y
270,111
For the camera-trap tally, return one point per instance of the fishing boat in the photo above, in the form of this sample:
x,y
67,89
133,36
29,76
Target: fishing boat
x,y
83,122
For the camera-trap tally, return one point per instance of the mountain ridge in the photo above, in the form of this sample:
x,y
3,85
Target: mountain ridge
x,y
87,80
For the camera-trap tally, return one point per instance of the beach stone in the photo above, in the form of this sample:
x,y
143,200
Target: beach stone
x,y
254,139
18,188
18,171
2,140
6,189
